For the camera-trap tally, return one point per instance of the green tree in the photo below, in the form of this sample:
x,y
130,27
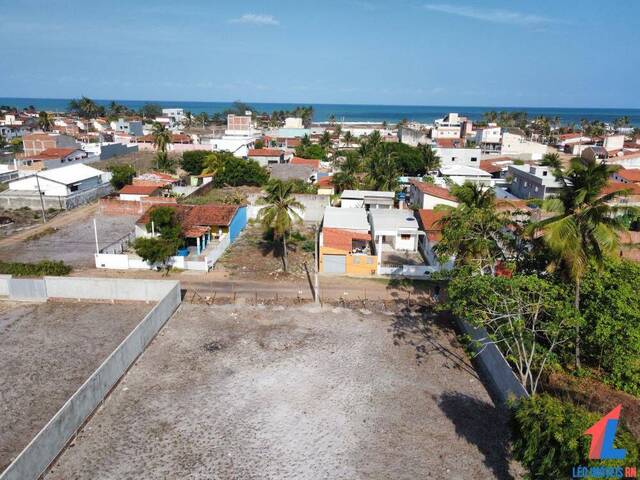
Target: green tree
x,y
430,160
610,306
347,138
193,161
311,151
86,108
161,137
16,145
121,175
527,317
382,171
188,119
150,111
233,171
585,226
347,177
473,232
203,119
3,141
549,440
44,121
259,143
154,250
214,163
325,140
165,163
279,213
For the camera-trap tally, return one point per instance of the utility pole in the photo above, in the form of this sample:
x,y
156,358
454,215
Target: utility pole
x,y
44,217
95,231
316,286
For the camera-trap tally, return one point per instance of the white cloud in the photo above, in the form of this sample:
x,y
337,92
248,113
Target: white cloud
x,y
256,19
491,15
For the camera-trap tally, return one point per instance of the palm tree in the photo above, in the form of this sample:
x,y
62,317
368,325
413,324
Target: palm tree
x,y
585,227
347,177
213,164
430,160
188,119
202,118
325,140
552,160
85,108
305,141
161,137
382,170
348,138
44,121
279,213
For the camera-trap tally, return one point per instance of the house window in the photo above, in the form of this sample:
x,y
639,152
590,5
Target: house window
x,y
453,159
405,236
73,188
536,189
544,174
474,159
526,184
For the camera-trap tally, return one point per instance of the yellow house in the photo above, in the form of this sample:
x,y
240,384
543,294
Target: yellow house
x,y
345,242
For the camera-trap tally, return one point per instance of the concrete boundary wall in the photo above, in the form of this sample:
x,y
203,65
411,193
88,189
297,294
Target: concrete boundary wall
x,y
44,448
4,285
503,383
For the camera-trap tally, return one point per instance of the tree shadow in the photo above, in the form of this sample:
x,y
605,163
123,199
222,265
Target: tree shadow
x,y
426,291
419,326
483,425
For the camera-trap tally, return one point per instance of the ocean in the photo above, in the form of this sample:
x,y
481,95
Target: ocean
x,y
357,113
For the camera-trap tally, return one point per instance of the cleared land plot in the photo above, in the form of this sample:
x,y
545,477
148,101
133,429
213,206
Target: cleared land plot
x,y
299,392
47,350
73,243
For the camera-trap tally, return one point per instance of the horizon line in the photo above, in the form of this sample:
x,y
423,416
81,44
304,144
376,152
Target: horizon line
x,y
326,104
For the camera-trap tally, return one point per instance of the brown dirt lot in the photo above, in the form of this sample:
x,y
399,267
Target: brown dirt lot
x,y
238,391
47,350
141,161
252,256
14,221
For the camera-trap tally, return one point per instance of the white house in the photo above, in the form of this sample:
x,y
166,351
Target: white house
x,y
489,139
63,181
394,230
460,174
515,145
448,127
368,199
425,195
458,155
413,134
533,181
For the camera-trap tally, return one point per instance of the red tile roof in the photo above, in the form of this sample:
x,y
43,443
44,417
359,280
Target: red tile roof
x,y
429,221
433,190
53,153
265,152
490,167
633,188
630,174
326,181
139,189
199,215
342,239
195,232
450,143
306,161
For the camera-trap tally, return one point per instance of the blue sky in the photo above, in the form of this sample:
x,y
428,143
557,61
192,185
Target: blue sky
x,y
567,53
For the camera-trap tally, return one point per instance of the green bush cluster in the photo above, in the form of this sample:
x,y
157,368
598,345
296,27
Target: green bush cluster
x,y
549,439
45,267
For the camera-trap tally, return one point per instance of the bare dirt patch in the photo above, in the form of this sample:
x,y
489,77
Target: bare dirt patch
x,y
256,256
295,392
73,243
47,350
13,221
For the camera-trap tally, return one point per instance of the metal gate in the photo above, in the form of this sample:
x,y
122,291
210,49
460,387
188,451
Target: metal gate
x,y
334,263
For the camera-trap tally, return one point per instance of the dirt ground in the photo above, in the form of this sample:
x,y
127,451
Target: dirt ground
x,y
239,391
72,242
47,350
13,221
252,256
141,161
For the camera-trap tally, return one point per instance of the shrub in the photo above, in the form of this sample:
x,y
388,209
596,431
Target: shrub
x,y
45,267
610,305
549,439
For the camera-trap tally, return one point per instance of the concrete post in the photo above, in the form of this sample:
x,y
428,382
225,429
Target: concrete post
x,y
198,245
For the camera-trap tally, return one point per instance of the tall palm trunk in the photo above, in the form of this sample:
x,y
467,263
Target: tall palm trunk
x,y
576,304
284,251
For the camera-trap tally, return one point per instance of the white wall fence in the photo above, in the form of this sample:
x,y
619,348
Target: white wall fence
x,y
44,448
411,271
124,261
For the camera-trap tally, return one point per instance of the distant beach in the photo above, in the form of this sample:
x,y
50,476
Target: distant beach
x,y
355,113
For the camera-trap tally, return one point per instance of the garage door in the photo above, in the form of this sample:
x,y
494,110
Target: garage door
x,y
334,263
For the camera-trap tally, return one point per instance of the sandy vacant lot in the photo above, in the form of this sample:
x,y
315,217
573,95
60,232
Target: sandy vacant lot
x,y
74,243
47,350
299,392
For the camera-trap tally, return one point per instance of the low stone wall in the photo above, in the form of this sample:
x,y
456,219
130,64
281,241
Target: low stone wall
x,y
502,382
32,462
